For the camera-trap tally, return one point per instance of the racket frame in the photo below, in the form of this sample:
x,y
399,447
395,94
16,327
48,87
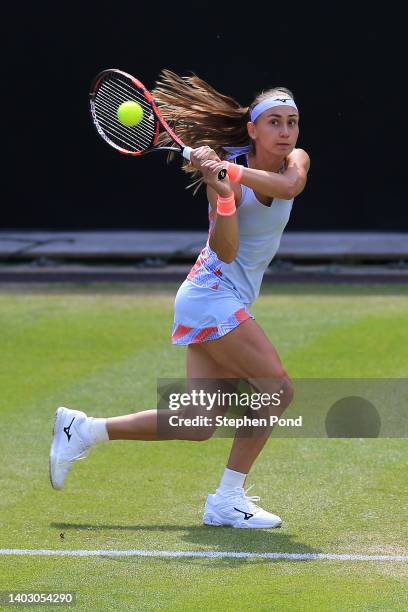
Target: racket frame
x,y
160,121
184,150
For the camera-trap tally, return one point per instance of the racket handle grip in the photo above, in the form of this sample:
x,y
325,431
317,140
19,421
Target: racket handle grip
x,y
186,152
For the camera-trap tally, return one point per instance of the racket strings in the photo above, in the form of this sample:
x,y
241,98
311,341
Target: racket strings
x,y
107,110
121,139
112,92
139,136
110,96
122,94
114,133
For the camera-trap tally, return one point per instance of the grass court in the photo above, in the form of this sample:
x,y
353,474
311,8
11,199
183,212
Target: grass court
x,y
101,348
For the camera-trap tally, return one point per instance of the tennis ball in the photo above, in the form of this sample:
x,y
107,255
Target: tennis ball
x,y
130,113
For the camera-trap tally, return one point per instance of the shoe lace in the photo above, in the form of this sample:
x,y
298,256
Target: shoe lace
x,y
81,455
83,450
250,499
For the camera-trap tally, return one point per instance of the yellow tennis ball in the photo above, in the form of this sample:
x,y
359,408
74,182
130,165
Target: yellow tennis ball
x,y
130,113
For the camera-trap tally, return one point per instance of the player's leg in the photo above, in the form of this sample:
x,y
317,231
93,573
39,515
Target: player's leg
x,y
248,354
75,432
201,370
206,375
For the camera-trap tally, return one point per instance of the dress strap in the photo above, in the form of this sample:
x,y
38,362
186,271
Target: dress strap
x,y
242,160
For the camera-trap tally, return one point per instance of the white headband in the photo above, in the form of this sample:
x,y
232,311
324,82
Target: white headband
x,y
270,103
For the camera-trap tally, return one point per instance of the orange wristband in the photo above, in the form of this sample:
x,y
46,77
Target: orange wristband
x,y
226,206
234,172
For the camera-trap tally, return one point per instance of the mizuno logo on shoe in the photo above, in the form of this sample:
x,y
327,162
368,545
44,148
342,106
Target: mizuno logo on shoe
x,y
247,516
66,429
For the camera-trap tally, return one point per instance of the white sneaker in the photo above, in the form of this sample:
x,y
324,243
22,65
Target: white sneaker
x,y
69,443
236,509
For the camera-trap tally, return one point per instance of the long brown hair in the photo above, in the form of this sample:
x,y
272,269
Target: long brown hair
x,y
200,115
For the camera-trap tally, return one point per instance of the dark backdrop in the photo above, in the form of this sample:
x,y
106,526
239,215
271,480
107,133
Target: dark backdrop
x,y
345,64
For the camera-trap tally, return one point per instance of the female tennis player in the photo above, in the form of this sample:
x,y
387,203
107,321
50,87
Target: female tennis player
x,y
248,212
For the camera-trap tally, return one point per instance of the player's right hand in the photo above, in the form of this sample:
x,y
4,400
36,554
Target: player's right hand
x,y
210,170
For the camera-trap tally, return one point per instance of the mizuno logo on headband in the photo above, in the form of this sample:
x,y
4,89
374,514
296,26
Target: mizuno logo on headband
x,y
270,103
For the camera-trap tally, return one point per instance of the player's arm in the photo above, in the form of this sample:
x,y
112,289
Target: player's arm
x,y
224,237
284,186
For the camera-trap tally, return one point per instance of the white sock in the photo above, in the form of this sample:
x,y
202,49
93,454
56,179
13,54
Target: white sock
x,y
231,479
97,430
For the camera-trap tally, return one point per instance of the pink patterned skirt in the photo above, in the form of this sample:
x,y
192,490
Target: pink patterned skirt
x,y
205,313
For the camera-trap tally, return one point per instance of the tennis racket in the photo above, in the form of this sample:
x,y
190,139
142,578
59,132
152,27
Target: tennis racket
x,y
109,90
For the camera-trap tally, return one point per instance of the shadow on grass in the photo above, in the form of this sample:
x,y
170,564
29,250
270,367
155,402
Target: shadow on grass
x,y
212,539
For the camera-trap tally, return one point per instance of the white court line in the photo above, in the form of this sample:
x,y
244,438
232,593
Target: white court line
x,y
201,554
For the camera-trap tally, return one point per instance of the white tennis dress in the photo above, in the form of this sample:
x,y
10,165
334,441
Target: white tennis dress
x,y
215,297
